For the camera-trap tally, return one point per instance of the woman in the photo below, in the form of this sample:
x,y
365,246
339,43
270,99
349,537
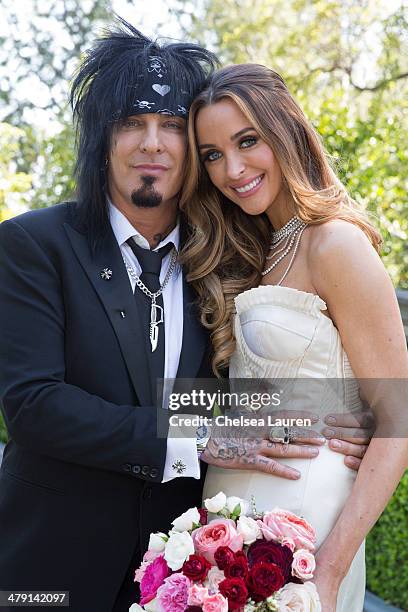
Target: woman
x,y
292,287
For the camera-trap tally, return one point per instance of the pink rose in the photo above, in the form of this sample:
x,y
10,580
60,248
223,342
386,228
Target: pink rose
x,y
214,577
281,525
219,532
148,557
289,543
140,572
151,555
196,595
215,603
172,596
303,564
153,577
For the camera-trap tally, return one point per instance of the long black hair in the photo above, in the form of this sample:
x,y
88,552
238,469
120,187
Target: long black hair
x,y
104,90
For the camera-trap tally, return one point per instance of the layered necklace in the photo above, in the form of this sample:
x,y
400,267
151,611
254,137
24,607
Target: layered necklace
x,y
156,311
284,243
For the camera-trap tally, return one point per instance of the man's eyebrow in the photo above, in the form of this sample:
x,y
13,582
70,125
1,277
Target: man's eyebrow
x,y
233,137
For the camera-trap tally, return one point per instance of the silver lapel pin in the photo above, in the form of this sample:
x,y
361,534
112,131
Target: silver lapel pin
x,y
106,274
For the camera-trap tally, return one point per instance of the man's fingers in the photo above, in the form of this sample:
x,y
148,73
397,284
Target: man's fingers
x,y
269,466
288,451
304,415
348,448
364,420
352,462
355,436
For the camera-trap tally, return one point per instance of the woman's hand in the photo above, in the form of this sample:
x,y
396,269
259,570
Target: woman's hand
x,y
327,580
327,594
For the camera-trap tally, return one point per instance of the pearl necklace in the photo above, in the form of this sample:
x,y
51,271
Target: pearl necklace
x,y
290,235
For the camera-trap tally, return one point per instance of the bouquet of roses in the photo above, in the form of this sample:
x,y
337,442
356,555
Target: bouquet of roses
x,y
238,560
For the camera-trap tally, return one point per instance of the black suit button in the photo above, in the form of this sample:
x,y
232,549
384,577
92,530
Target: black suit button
x,y
154,472
136,469
145,470
126,467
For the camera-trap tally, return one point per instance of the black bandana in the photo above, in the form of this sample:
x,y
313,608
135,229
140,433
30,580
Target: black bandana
x,y
157,91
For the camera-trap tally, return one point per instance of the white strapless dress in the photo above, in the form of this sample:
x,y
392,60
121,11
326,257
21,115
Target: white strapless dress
x,y
281,333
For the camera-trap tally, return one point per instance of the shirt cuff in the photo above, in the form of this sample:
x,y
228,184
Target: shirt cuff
x,y
181,459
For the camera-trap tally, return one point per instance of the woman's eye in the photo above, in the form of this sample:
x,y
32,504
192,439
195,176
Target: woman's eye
x,y
248,142
212,156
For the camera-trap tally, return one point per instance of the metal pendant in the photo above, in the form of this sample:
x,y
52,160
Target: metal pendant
x,y
156,317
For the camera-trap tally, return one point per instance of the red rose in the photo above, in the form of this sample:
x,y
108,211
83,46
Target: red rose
x,y
272,552
238,568
196,568
203,516
234,589
264,579
223,557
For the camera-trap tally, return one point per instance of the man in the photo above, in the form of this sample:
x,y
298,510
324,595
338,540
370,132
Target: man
x,y
85,287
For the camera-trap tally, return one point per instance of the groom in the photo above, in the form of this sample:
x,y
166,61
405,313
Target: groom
x,y
83,288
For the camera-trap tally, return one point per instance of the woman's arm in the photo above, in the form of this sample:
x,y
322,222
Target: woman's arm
x,y
348,274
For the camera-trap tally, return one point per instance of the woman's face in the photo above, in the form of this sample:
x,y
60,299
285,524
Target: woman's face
x,y
239,163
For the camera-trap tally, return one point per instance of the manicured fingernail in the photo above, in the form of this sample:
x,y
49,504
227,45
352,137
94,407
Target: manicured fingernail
x,y
330,420
295,474
328,433
335,444
314,451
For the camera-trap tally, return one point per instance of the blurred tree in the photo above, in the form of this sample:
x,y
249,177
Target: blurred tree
x,y
346,62
40,43
39,50
14,184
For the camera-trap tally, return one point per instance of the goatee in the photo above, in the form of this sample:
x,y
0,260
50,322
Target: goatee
x,y
146,196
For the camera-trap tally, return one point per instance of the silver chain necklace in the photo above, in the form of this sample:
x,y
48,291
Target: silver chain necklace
x,y
156,311
291,232
293,224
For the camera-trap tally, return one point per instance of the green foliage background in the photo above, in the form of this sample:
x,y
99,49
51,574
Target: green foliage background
x,y
387,550
345,61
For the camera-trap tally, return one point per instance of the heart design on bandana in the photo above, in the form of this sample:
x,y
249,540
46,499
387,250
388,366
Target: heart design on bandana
x,y
161,89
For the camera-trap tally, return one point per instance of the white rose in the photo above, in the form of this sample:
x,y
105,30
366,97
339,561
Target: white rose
x,y
135,608
157,542
152,606
178,549
299,598
214,577
187,520
249,529
216,503
232,503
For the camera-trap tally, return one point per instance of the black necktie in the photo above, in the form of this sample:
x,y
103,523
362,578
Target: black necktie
x,y
150,263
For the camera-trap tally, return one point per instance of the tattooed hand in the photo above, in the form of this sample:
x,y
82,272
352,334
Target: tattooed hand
x,y
257,453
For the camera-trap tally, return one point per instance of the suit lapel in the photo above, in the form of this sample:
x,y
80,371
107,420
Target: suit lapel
x,y
194,336
119,303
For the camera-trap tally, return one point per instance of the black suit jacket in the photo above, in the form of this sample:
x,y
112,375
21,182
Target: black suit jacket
x,y
80,483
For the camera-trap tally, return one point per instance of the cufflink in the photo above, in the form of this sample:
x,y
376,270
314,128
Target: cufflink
x,y
178,466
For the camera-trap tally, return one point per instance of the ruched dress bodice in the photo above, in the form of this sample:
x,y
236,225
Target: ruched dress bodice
x,y
282,334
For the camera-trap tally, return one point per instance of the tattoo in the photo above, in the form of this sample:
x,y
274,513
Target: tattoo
x,y
157,238
230,449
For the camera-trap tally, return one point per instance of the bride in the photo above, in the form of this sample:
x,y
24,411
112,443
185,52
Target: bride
x,y
292,288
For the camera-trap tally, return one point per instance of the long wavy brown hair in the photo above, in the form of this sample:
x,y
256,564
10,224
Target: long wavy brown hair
x,y
225,253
